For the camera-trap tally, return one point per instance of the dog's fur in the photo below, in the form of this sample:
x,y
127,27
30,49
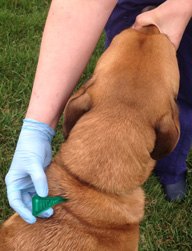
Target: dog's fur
x,y
122,120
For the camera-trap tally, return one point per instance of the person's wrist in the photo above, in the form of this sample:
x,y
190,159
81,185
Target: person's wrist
x,y
188,4
184,6
34,125
52,122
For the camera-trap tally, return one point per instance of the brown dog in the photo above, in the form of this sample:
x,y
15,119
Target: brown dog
x,y
122,120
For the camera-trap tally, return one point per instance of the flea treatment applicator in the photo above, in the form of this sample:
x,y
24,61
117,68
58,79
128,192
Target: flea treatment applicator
x,y
39,204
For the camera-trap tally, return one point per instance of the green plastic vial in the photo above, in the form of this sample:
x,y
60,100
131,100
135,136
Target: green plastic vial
x,y
39,204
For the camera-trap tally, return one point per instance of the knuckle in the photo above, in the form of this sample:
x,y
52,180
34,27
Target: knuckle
x,y
12,204
139,19
7,178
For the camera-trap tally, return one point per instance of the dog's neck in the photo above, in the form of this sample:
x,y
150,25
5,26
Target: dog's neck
x,y
95,207
113,163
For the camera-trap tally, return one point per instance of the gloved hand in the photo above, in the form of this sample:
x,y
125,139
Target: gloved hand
x,y
26,176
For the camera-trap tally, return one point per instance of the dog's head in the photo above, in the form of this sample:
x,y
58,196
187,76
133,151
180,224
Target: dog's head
x,y
135,80
151,85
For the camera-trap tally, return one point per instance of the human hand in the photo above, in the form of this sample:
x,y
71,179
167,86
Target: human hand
x,y
26,176
171,18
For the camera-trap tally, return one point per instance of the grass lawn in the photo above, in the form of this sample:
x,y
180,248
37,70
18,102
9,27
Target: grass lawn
x,y
166,226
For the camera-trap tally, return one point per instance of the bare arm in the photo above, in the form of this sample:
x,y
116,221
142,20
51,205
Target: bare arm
x,y
71,32
171,18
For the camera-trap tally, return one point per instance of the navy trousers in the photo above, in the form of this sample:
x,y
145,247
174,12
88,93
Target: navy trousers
x,y
173,167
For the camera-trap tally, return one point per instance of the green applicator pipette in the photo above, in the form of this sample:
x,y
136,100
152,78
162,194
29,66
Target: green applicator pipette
x,y
39,204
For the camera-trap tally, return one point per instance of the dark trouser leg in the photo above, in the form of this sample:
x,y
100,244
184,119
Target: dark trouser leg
x,y
172,168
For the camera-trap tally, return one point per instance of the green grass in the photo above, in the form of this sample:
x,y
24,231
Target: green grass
x,y
166,226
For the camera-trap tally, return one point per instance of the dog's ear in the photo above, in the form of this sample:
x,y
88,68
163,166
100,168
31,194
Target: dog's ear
x,y
167,135
76,106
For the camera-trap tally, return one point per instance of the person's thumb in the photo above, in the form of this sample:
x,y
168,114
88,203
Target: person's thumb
x,y
144,19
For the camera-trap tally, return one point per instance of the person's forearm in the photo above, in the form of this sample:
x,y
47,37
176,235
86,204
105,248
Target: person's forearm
x,y
72,30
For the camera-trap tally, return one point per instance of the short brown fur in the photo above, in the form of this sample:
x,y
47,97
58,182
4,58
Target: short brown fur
x,y
122,120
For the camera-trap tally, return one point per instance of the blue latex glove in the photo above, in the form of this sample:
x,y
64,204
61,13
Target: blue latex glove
x,y
26,176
